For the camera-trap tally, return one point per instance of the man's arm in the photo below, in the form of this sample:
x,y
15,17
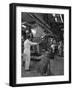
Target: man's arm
x,y
33,43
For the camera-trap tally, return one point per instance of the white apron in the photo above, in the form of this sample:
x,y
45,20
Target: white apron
x,y
27,45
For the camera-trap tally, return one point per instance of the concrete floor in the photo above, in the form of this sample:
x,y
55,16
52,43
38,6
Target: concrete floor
x,y
56,68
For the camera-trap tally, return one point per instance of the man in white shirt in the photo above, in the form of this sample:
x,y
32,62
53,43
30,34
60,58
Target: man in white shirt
x,y
27,45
